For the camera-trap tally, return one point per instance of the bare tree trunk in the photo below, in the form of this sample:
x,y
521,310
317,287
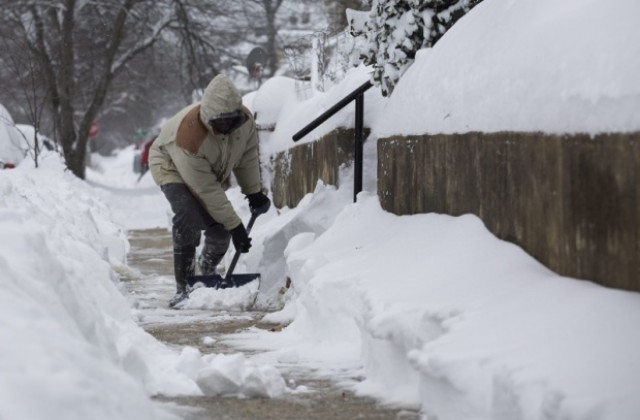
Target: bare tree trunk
x,y
271,8
29,87
77,87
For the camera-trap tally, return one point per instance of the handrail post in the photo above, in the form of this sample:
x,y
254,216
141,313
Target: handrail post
x,y
358,96
358,147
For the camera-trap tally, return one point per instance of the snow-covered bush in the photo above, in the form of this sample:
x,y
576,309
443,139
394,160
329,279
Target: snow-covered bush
x,y
396,29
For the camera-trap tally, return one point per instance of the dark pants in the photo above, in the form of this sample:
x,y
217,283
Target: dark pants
x,y
189,220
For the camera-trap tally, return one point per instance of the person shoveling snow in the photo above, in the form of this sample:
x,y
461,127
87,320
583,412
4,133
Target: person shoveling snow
x,y
191,161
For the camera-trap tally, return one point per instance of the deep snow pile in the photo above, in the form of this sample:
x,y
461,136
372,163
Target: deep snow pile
x,y
60,357
529,65
294,113
70,348
437,313
434,311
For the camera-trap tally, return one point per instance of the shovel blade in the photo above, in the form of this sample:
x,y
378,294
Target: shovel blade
x,y
218,282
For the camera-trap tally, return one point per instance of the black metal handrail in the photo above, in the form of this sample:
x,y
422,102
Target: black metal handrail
x,y
358,96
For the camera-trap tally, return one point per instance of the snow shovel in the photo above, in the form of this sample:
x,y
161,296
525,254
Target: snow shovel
x,y
229,280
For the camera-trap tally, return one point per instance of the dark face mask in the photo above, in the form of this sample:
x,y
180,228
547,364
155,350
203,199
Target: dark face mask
x,y
228,122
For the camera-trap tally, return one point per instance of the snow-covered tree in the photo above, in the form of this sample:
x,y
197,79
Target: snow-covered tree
x,y
396,29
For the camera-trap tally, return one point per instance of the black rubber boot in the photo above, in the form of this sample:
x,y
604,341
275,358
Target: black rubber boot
x,y
209,260
216,243
184,260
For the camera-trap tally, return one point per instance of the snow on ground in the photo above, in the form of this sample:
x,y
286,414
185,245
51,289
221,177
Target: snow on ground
x,y
429,311
432,311
69,347
136,202
435,312
528,65
66,334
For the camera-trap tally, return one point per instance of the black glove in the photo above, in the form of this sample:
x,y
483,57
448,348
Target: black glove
x,y
258,203
241,239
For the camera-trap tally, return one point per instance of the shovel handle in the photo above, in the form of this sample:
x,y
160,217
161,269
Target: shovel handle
x,y
234,261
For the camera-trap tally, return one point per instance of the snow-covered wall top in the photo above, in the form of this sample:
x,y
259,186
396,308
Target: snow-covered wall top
x,y
277,101
527,65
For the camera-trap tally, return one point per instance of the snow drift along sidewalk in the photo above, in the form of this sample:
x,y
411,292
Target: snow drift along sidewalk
x,y
444,315
69,348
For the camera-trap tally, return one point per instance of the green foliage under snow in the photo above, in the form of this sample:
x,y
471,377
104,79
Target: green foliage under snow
x,y
395,30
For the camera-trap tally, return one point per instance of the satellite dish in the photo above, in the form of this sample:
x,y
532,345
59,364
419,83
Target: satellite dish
x,y
256,62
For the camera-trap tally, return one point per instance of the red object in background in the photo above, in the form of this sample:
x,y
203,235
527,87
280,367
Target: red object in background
x,y
144,156
94,129
6,165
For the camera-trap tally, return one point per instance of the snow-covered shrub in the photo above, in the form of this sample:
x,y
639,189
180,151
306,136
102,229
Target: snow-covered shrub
x,y
396,29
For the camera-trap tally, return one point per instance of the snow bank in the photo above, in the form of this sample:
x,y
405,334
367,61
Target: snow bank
x,y
267,103
291,114
28,133
314,214
435,312
528,65
431,311
62,315
68,339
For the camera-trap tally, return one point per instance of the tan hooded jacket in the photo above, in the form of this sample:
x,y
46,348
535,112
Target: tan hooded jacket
x,y
189,152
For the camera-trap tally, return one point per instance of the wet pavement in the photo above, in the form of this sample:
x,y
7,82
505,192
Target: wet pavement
x,y
150,283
